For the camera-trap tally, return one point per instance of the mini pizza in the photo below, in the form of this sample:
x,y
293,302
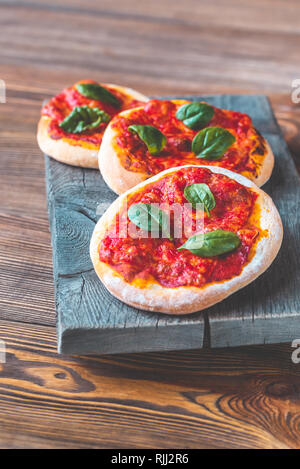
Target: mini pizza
x,y
72,123
185,239
142,142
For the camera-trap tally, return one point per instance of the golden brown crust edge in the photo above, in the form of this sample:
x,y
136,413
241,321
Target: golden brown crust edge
x,y
120,179
267,166
113,173
185,300
74,155
60,150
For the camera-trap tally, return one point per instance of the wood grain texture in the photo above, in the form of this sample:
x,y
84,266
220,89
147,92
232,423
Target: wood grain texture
x,y
196,399
242,44
242,397
91,320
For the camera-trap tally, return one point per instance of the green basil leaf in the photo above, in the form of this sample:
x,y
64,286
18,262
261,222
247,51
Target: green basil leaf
x,y
95,91
151,136
212,142
84,118
195,115
149,217
213,243
200,194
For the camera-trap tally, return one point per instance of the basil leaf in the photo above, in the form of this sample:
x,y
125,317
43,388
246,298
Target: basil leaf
x,y
212,142
149,217
95,91
200,194
213,243
84,118
151,136
195,115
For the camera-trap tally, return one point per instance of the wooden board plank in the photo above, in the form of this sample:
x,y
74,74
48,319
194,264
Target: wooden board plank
x,y
268,310
90,320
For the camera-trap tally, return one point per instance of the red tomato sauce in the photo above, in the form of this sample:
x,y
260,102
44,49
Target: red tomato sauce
x,y
177,151
59,107
158,258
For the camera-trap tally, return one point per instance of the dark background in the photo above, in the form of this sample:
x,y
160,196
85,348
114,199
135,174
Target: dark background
x,y
239,398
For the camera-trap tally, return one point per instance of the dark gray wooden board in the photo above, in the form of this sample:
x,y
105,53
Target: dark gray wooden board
x,y
91,320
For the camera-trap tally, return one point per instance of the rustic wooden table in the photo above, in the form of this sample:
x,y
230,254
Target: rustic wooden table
x,y
233,398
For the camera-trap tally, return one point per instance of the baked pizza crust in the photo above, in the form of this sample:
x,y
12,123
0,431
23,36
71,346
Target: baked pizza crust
x,y
120,179
75,155
185,300
266,169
